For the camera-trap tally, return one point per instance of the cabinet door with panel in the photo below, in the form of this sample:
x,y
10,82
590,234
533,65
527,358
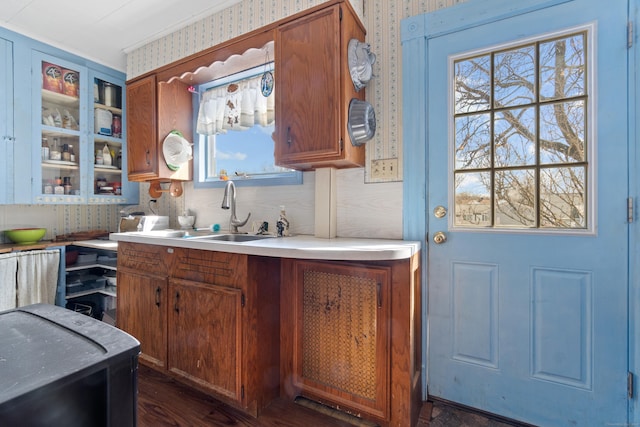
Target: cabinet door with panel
x,y
341,327
314,88
142,130
142,293
154,110
205,326
6,120
352,336
142,302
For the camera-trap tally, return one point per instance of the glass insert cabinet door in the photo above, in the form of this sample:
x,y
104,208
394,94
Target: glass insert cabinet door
x,y
60,111
78,135
107,129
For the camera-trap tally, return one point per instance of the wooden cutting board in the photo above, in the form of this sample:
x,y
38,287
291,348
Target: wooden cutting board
x,y
82,235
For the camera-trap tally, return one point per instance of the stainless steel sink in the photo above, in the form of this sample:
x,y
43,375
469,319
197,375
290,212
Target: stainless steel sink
x,y
234,237
161,233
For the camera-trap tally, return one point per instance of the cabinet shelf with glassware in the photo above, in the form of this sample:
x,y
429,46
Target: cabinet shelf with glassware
x,y
66,137
108,144
59,110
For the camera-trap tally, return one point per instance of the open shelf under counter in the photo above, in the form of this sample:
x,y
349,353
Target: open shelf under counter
x,y
109,265
108,290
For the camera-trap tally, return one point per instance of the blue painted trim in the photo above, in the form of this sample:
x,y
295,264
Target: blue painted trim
x,y
467,15
633,101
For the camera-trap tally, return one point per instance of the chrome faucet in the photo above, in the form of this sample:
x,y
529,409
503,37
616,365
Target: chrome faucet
x,y
230,193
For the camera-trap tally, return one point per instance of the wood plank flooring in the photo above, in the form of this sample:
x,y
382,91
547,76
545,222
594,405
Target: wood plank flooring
x,y
163,401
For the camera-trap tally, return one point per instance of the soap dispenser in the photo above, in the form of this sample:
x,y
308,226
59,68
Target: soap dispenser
x,y
282,226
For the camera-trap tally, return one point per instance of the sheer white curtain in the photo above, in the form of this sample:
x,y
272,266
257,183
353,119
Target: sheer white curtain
x,y
37,276
8,270
236,106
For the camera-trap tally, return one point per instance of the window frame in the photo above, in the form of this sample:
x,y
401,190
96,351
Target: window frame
x,y
201,179
590,130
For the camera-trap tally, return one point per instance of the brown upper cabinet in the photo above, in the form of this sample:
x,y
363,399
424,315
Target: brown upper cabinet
x,y
313,89
155,109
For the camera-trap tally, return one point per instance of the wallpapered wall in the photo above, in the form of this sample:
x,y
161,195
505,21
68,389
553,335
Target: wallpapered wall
x,y
381,19
367,207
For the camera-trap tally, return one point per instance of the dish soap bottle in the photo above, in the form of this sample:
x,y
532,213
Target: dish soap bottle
x,y
106,155
282,226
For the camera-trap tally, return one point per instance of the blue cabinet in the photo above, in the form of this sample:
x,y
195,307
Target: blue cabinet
x,y
49,99
6,120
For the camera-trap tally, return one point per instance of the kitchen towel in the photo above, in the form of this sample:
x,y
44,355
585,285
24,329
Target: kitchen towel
x,y
37,276
8,269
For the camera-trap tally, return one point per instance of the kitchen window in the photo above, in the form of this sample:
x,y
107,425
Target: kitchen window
x,y
235,123
521,141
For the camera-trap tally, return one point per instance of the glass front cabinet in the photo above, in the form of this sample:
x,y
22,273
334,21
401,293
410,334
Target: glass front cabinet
x,y
79,135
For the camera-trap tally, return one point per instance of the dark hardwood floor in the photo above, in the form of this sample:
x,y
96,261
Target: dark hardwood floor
x,y
163,401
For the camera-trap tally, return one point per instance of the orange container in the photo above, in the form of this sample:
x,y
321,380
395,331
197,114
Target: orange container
x,y
70,82
51,77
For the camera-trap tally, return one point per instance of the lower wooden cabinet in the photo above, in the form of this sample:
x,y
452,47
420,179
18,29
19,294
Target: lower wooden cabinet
x,y
142,312
356,337
247,329
210,319
142,298
205,324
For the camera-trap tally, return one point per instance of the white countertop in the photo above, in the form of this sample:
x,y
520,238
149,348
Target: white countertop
x,y
303,246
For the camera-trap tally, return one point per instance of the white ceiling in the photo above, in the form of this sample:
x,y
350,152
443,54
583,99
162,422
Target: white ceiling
x,y
103,31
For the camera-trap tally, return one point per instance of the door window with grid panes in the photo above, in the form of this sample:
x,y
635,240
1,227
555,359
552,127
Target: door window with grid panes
x,y
521,150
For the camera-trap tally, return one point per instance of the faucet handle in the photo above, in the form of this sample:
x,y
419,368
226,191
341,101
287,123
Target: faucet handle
x,y
235,223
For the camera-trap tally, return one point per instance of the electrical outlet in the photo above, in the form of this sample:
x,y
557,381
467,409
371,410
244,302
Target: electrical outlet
x,y
384,169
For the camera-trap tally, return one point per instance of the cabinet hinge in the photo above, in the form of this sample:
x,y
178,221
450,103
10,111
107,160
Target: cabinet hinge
x,y
630,210
630,385
242,300
630,34
242,391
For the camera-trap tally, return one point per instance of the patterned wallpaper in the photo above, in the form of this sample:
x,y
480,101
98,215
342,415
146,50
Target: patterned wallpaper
x,y
361,213
380,17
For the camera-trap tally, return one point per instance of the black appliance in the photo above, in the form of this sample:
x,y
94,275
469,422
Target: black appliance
x,y
62,368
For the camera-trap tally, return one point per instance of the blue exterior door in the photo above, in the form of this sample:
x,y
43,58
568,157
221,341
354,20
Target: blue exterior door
x,y
526,184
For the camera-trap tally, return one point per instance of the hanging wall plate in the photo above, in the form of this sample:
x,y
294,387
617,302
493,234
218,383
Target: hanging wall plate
x,y
266,84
